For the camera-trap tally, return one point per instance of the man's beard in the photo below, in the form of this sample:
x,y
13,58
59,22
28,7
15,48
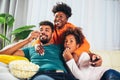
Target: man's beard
x,y
44,41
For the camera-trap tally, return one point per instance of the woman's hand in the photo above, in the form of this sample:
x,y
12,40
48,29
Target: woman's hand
x,y
96,60
39,48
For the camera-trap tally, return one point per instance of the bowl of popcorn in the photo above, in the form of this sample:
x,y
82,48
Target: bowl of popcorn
x,y
23,69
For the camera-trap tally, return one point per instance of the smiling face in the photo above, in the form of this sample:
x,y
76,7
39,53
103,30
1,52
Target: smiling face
x,y
70,42
45,33
60,19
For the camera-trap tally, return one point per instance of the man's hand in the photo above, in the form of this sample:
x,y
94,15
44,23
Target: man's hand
x,y
33,35
96,60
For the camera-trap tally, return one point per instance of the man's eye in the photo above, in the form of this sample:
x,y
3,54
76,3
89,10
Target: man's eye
x,y
41,29
47,30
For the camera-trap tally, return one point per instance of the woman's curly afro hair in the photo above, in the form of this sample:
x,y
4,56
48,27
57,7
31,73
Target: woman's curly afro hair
x,y
63,8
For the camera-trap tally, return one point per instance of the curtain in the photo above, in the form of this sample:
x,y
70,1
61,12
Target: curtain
x,y
99,19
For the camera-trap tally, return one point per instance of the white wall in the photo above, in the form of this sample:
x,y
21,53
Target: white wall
x,y
100,19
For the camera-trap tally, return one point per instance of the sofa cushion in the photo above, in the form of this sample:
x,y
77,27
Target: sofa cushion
x,y
110,58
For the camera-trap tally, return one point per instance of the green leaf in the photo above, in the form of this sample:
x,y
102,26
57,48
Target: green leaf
x,y
22,35
4,37
7,18
10,20
3,14
23,28
2,20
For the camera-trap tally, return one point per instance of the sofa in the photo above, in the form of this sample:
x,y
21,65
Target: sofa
x,y
110,58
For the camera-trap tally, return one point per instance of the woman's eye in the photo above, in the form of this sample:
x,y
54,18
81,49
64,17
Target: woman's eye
x,y
61,16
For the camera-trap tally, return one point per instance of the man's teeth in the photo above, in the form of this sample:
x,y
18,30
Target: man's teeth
x,y
68,48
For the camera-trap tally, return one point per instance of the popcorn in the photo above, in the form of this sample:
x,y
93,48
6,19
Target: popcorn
x,y
23,69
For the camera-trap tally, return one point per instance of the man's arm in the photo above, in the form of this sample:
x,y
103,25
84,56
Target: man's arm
x,y
14,49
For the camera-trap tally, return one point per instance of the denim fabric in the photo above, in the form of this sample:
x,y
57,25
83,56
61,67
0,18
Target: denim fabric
x,y
55,76
43,77
111,75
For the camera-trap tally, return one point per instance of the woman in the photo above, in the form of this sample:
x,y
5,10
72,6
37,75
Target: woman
x,y
80,67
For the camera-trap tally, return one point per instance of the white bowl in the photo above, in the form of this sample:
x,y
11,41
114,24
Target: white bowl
x,y
23,69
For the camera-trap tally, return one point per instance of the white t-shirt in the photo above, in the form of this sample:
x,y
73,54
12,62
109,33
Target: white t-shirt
x,y
83,70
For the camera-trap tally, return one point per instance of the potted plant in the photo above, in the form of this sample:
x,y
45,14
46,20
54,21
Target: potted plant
x,y
6,20
22,32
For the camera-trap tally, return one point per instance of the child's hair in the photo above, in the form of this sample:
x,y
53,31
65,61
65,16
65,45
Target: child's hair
x,y
77,33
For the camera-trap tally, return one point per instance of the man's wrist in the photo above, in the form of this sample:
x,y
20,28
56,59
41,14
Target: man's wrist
x,y
27,40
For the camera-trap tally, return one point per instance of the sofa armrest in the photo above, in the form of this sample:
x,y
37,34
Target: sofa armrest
x,y
110,58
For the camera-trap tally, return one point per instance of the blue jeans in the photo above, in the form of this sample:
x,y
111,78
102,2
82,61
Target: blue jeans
x,y
111,75
54,76
43,77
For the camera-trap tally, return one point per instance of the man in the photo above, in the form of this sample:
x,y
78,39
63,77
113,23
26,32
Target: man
x,y
51,63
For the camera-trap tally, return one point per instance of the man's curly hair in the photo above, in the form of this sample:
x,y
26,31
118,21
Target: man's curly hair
x,y
63,8
46,22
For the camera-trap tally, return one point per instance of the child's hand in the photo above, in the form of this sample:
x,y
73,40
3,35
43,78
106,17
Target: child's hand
x,y
67,55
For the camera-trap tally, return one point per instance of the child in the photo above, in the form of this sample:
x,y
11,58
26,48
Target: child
x,y
80,67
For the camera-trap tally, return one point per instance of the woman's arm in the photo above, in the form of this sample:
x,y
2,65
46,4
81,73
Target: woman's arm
x,y
85,47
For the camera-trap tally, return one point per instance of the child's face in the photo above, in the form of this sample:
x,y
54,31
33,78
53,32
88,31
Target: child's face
x,y
70,42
